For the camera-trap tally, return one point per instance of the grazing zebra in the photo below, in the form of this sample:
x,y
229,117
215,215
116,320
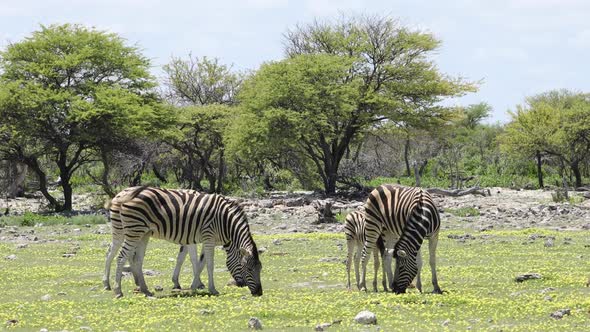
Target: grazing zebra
x,y
410,215
233,258
354,229
184,217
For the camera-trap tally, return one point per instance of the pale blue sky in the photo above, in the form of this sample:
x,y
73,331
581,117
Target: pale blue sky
x,y
517,47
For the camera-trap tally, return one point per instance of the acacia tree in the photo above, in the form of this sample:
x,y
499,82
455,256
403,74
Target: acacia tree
x,y
67,91
342,78
556,124
205,89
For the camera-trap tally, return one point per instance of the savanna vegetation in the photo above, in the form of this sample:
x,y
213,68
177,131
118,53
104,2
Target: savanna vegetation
x,y
303,280
354,103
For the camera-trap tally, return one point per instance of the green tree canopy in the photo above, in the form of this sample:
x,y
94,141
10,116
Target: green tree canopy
x,y
67,91
342,78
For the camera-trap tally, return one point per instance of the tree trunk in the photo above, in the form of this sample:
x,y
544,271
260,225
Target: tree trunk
x,y
575,166
220,172
158,174
17,187
540,170
33,163
67,188
416,173
407,156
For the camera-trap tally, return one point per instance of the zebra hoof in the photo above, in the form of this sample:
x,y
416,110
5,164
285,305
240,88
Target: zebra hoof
x,y
118,296
437,291
213,292
107,287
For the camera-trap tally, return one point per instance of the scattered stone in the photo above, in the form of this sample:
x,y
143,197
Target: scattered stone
x,y
329,260
255,323
548,298
546,290
22,246
549,243
560,313
68,255
322,327
85,328
77,230
527,276
336,321
12,322
94,288
365,317
46,297
276,242
10,257
158,288
150,273
206,312
446,322
262,250
43,330
62,293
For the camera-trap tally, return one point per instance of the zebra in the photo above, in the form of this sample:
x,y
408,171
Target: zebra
x,y
233,259
354,229
409,214
184,217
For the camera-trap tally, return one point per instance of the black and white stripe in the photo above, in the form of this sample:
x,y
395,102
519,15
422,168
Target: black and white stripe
x,y
354,229
410,215
186,218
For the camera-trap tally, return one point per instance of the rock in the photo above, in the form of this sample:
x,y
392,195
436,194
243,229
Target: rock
x,y
549,243
206,312
158,288
85,328
446,322
262,250
322,327
150,273
548,298
276,242
546,290
329,260
46,297
22,246
77,230
560,313
62,293
254,323
68,255
10,257
365,317
43,330
11,322
528,276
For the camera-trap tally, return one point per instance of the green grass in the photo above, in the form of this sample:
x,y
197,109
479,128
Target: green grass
x,y
32,219
299,290
464,212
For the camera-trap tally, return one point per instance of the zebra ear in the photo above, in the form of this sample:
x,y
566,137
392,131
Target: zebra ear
x,y
402,254
245,252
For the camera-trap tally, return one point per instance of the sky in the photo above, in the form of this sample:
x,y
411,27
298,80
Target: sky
x,y
515,48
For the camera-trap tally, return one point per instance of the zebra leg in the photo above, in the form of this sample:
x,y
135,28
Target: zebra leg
x,y
369,246
357,260
390,240
383,272
208,251
376,262
179,261
111,253
350,246
137,265
419,263
432,243
197,267
127,250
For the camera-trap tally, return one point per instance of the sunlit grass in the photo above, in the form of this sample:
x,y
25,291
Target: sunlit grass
x,y
301,290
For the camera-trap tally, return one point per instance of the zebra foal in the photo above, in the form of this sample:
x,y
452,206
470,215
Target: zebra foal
x,y
184,217
354,229
408,214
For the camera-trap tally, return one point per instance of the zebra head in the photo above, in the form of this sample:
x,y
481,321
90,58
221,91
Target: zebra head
x,y
234,264
406,268
251,268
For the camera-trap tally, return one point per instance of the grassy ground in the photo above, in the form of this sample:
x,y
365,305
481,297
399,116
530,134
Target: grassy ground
x,y
301,290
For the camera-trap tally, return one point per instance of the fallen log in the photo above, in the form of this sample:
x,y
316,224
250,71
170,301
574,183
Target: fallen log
x,y
460,192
